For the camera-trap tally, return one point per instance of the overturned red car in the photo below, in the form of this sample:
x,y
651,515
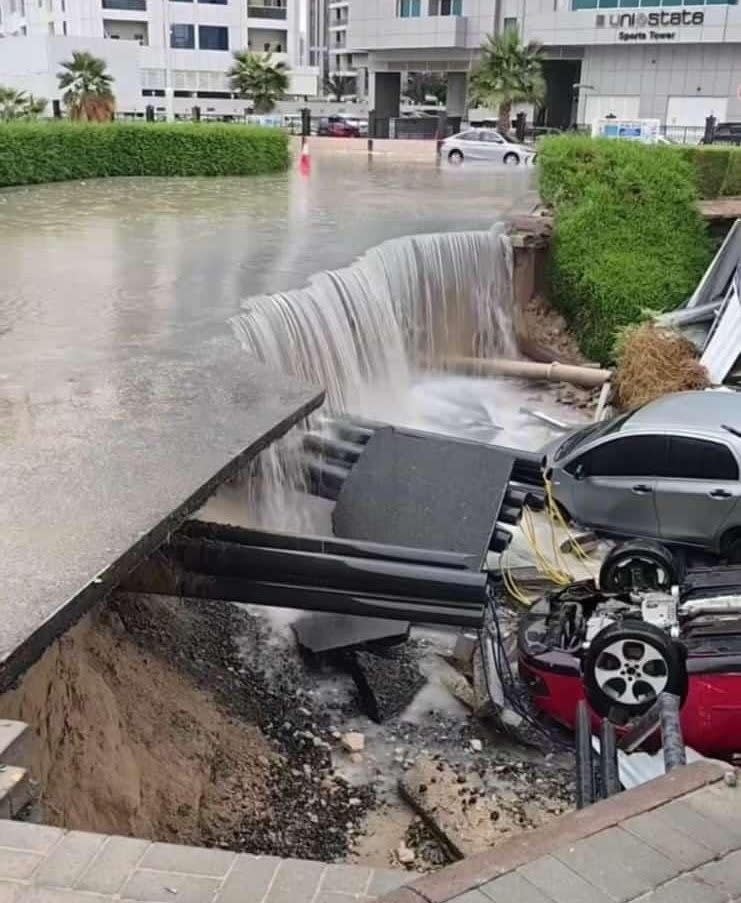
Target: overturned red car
x,y
620,650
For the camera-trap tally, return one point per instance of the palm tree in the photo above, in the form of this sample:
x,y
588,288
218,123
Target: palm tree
x,y
338,86
421,85
255,75
19,105
87,88
509,72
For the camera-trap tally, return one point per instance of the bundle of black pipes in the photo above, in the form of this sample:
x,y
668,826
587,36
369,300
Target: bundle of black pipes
x,y
330,456
234,564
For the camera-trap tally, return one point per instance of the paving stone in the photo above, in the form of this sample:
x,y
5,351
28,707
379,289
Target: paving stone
x,y
345,879
24,836
9,892
724,874
723,807
38,894
686,889
18,864
325,897
475,896
249,880
691,821
511,888
112,866
296,881
657,830
170,857
69,859
618,863
560,883
169,887
385,880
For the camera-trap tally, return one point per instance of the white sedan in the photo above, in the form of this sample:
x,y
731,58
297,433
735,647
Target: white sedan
x,y
485,144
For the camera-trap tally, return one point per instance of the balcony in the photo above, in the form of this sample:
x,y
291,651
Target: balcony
x,y
137,6
267,12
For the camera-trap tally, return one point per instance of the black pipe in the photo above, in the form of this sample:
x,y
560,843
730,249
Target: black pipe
x,y
354,548
508,515
420,611
336,449
608,760
387,578
324,480
500,540
349,432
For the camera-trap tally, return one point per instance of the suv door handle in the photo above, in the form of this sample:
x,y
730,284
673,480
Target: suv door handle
x,y
720,494
642,489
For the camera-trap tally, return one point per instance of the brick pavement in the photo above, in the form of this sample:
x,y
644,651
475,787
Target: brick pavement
x,y
39,864
673,840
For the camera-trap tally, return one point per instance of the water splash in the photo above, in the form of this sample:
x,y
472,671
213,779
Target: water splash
x,y
361,332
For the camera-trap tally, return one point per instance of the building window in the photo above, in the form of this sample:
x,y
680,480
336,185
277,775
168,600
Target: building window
x,y
183,37
450,7
510,24
220,2
183,1
408,8
64,28
213,37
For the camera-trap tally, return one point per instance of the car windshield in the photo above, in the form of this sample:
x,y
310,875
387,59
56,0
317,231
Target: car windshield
x,y
589,433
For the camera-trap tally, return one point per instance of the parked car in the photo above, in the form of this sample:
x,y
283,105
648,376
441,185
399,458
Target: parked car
x,y
485,144
727,133
669,470
338,127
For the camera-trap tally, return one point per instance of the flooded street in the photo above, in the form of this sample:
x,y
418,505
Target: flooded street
x,y
97,271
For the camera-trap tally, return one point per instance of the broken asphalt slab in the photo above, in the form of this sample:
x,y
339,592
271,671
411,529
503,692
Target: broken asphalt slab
x,y
386,683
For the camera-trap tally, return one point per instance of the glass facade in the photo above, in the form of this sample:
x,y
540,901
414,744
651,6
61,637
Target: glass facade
x,y
408,8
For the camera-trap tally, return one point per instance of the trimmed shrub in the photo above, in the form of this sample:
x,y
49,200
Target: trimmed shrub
x,y
628,238
711,165
58,151
732,182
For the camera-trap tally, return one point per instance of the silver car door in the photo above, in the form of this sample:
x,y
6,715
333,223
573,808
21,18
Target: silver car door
x,y
611,485
493,146
695,500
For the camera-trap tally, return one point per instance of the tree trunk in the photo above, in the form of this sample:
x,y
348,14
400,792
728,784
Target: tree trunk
x,y
504,119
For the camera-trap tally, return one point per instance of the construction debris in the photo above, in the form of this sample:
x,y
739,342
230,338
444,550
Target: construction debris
x,y
386,683
320,632
353,742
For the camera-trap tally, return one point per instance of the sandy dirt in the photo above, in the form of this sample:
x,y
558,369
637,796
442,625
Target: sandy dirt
x,y
127,745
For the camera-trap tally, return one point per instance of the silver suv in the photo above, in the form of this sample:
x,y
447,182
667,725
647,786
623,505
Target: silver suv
x,y
669,471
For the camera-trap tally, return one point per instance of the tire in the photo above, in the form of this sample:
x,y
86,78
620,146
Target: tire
x,y
628,665
511,160
640,564
455,157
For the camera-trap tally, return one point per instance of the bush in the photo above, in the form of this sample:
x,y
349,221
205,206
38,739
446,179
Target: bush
x,y
627,239
54,152
710,165
732,182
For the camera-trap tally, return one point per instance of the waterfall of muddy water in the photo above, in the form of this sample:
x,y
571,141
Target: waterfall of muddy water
x,y
363,332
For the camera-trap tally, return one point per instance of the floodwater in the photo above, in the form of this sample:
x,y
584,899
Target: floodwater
x,y
95,270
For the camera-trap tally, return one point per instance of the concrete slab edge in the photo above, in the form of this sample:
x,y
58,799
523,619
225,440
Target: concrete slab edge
x,y
71,610
471,873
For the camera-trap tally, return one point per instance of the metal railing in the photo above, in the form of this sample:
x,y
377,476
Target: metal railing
x,y
267,12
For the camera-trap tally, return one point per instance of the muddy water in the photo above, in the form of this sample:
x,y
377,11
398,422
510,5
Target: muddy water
x,y
99,270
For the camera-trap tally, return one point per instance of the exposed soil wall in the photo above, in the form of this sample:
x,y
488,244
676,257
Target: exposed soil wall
x,y
135,736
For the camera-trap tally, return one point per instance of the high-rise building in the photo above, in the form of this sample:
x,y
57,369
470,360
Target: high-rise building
x,y
327,39
673,60
164,52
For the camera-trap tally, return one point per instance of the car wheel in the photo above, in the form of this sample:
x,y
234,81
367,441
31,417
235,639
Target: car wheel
x,y
511,160
640,565
628,665
731,549
455,157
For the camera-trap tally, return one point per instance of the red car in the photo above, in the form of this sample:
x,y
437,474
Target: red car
x,y
619,651
337,127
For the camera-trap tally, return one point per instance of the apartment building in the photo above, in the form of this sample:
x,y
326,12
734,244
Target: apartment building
x,y
674,60
327,38
171,53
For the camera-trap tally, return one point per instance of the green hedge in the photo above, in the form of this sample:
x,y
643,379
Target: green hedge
x,y
627,237
59,151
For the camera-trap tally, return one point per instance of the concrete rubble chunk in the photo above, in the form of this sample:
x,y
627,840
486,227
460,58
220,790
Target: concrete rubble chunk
x,y
386,683
353,741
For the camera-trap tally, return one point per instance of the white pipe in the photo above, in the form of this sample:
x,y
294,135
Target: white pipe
x,y
589,377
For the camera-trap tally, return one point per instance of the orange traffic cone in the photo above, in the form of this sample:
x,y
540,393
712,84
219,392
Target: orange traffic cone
x,y
304,163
